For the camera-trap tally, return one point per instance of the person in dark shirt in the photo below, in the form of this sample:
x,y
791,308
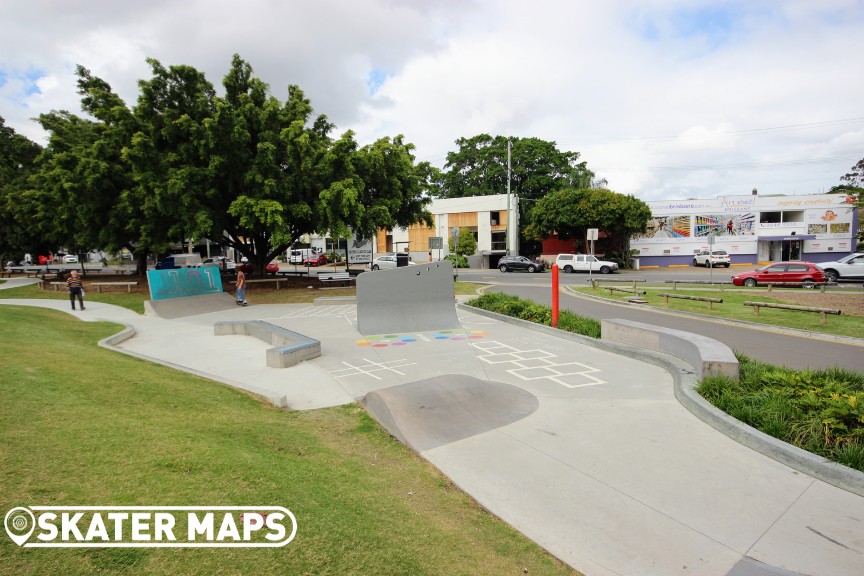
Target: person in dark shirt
x,y
75,288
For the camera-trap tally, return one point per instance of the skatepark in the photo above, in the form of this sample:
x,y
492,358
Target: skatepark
x,y
582,446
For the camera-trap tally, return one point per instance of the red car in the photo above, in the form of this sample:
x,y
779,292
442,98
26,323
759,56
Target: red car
x,y
315,260
248,268
805,273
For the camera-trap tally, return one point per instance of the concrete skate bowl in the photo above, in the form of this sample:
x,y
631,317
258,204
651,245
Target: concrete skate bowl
x,y
436,411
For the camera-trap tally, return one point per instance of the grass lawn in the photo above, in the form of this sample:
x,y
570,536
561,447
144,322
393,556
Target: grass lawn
x,y
733,308
257,294
81,425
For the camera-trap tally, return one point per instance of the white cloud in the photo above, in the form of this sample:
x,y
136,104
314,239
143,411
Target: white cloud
x,y
665,98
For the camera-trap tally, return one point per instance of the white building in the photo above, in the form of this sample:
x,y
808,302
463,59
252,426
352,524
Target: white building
x,y
752,229
485,216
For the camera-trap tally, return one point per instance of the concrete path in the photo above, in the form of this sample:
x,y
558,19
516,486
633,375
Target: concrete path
x,y
609,472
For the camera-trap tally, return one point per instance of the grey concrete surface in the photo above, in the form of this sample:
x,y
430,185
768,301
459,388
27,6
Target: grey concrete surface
x,y
435,411
405,299
610,473
707,356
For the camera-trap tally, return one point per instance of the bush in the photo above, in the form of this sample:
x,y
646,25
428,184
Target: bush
x,y
821,411
537,313
458,260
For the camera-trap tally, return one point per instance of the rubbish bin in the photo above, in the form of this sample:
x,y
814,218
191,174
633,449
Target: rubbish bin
x,y
634,262
401,259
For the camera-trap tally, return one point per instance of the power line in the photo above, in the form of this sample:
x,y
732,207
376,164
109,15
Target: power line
x,y
750,132
730,166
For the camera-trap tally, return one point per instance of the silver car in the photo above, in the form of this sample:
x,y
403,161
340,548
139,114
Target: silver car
x,y
849,267
386,261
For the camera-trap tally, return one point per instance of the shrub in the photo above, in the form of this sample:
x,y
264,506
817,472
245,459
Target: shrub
x,y
537,313
458,260
821,411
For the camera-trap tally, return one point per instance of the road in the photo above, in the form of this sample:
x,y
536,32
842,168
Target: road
x,y
758,342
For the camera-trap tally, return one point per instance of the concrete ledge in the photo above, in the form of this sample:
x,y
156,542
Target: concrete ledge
x,y
707,356
290,347
685,382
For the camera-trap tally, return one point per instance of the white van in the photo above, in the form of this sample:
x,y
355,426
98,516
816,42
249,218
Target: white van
x,y
298,255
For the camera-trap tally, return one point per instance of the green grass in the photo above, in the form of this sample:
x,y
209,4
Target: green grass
x,y
821,411
81,425
257,294
733,308
133,301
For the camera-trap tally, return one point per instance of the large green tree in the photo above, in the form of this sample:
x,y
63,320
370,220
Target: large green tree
x,y
537,167
168,157
185,164
84,195
17,163
572,211
852,185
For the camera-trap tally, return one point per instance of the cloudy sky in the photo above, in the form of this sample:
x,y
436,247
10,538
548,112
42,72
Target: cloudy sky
x,y
666,99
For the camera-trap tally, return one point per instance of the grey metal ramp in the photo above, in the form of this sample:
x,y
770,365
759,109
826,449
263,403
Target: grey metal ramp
x,y
189,306
436,411
407,299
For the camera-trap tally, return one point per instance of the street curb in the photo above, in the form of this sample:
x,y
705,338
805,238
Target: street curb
x,y
685,381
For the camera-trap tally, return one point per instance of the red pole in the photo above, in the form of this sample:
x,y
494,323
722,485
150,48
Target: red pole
x,y
554,295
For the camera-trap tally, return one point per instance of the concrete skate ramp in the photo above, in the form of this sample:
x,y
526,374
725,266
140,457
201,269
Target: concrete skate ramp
x,y
436,411
189,306
407,299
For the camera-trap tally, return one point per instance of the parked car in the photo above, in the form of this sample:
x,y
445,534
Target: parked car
x,y
849,267
70,259
220,261
387,261
298,255
179,261
805,273
248,268
713,258
584,263
315,260
510,263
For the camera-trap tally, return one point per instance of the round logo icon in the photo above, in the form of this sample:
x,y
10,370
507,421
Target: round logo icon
x,y
19,523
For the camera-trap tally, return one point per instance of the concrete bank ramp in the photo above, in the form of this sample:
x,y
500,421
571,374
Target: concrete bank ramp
x,y
436,411
189,306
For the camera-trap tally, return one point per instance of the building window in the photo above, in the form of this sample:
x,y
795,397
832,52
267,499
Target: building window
x,y
494,218
499,241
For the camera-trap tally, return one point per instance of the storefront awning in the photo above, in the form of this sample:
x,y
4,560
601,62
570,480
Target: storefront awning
x,y
782,238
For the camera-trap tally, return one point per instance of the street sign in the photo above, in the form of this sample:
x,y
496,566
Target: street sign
x,y
592,233
436,243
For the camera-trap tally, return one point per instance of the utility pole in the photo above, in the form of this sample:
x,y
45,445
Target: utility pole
x,y
507,228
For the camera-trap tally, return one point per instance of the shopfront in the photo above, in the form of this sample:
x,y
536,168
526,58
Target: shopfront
x,y
752,229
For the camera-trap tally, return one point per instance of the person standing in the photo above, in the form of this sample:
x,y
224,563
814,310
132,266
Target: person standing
x,y
75,289
241,287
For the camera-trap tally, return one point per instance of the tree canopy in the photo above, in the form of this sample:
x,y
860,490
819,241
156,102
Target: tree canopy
x,y
17,162
537,167
187,163
852,185
570,212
